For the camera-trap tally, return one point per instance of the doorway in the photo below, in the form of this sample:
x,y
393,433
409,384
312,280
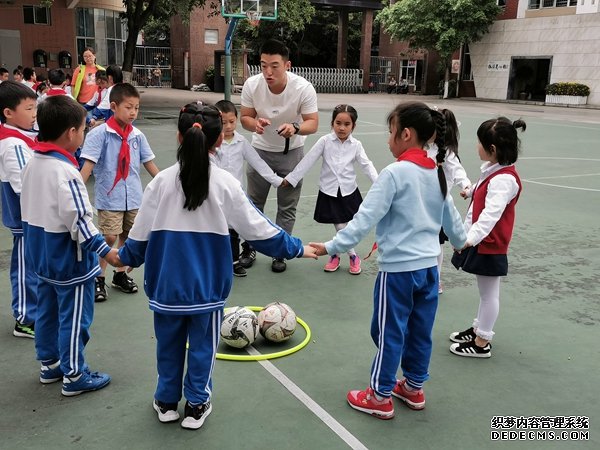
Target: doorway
x,y
529,77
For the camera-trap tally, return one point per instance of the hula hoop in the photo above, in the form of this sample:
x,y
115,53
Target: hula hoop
x,y
274,355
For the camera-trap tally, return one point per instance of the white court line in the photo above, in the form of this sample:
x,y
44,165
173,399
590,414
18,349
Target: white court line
x,y
313,406
559,158
564,176
561,186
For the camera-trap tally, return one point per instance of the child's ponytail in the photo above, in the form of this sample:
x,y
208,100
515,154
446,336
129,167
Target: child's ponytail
x,y
440,142
201,128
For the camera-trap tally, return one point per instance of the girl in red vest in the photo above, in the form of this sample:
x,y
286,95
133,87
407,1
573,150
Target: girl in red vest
x,y
489,222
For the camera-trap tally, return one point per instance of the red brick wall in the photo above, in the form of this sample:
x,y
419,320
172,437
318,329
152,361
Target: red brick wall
x,y
510,10
54,38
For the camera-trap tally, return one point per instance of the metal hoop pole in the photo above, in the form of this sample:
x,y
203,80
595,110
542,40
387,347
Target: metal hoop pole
x,y
228,44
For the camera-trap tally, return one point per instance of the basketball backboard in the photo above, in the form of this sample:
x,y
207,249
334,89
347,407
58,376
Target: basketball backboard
x,y
250,9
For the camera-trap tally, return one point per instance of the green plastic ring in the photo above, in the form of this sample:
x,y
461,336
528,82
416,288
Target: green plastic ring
x,y
274,355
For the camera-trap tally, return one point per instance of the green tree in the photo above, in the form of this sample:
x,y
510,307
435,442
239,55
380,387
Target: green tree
x,y
443,25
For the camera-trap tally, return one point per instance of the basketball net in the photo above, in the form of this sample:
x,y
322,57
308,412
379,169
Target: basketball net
x,y
254,18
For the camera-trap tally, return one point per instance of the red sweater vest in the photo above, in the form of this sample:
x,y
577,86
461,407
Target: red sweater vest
x,y
496,243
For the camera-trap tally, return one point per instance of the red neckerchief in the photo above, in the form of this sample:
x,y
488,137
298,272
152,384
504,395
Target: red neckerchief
x,y
6,132
57,91
419,157
46,147
124,156
99,99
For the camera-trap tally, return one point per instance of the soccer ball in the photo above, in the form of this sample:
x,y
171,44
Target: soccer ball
x,y
277,322
239,327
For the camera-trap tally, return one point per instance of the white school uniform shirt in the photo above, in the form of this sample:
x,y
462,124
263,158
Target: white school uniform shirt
x,y
337,170
453,170
500,191
299,97
231,156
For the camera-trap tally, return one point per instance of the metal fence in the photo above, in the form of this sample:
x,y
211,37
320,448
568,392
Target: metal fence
x,y
152,67
326,80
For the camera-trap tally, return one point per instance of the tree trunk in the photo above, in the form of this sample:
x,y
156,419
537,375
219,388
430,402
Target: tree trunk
x,y
129,54
446,81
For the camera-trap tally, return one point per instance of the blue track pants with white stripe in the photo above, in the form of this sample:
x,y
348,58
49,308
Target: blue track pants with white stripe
x,y
24,284
172,334
65,314
405,304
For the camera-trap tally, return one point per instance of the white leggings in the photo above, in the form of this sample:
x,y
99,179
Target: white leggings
x,y
489,306
341,226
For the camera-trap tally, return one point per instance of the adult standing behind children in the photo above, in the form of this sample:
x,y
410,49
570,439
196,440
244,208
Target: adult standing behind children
x,y
280,108
63,244
17,112
114,152
84,77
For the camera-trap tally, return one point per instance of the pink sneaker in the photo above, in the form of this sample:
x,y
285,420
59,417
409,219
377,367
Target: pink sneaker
x,y
413,399
355,265
333,264
366,402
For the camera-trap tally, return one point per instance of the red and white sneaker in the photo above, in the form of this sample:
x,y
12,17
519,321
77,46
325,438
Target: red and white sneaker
x,y
365,401
333,264
413,399
354,265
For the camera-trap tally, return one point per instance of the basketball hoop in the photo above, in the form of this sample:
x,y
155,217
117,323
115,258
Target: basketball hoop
x,y
254,18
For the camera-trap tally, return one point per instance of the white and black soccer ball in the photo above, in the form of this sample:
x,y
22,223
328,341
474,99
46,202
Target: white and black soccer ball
x,y
239,327
277,322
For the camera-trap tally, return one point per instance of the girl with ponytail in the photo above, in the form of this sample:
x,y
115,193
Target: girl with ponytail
x,y
181,233
444,151
408,206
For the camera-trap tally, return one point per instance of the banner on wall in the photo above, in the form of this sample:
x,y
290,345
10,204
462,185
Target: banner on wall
x,y
498,66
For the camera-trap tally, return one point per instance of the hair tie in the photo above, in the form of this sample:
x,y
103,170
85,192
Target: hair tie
x,y
197,125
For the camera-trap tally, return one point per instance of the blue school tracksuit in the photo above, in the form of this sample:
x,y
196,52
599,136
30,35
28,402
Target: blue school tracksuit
x,y
406,206
64,245
14,155
188,272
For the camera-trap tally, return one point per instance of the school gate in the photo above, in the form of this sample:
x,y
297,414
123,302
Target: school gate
x,y
152,67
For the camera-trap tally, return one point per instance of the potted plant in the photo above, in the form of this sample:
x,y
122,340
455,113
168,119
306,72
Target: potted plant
x,y
567,93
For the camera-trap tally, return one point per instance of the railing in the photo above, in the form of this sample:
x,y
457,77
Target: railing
x,y
152,67
326,80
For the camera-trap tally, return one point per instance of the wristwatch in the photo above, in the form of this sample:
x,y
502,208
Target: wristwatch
x,y
296,126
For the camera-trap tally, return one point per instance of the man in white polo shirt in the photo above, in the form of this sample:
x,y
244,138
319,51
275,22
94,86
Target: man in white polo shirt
x,y
280,108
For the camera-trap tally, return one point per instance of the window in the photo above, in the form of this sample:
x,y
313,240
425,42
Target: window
x,y
37,15
211,36
102,30
537,4
501,3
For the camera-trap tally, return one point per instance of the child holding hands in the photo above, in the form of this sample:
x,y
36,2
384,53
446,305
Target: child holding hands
x,y
184,218
490,221
408,204
339,197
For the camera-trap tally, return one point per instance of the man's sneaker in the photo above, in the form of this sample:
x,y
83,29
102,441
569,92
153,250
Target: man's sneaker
x,y
414,399
366,402
472,350
100,293
278,265
124,282
463,336
51,373
354,265
238,270
167,412
248,256
194,416
333,264
24,331
85,382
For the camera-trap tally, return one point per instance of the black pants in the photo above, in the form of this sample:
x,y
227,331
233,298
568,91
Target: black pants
x,y
234,238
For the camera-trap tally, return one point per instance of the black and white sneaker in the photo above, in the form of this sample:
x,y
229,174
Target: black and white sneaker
x,y
471,350
24,331
463,336
278,265
124,282
248,256
100,293
238,270
167,412
195,415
